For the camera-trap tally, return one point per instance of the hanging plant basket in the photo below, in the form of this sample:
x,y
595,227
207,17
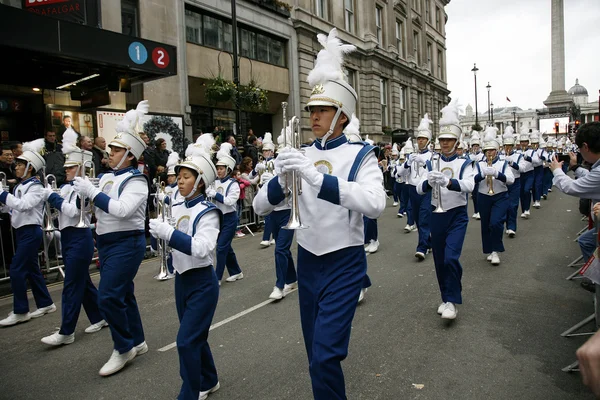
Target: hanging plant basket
x,y
253,98
219,90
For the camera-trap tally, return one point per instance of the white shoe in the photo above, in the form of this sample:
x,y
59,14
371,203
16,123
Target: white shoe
x,y
527,214
523,215
96,327
489,258
56,339
288,288
367,247
235,277
276,294
549,190
361,296
420,255
265,243
116,362
407,228
537,204
204,395
495,259
272,241
239,234
440,309
14,319
373,246
141,348
477,216
395,204
511,233
450,311
400,215
43,311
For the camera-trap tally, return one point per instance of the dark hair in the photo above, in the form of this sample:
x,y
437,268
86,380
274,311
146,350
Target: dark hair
x,y
245,164
195,173
234,171
159,141
14,145
590,134
251,139
229,137
67,116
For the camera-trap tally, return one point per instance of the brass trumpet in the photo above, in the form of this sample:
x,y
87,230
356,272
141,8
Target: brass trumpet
x,y
490,179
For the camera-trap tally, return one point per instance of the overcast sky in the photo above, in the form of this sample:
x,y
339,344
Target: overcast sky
x,y
510,42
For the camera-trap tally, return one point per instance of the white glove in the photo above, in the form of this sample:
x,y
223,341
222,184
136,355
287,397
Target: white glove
x,y
161,230
265,178
443,180
210,192
294,160
260,167
278,168
47,193
85,188
160,195
432,177
490,171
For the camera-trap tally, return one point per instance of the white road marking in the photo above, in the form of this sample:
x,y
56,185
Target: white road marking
x,y
227,320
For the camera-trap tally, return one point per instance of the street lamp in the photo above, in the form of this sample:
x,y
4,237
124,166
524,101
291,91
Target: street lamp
x,y
488,87
474,70
492,109
514,113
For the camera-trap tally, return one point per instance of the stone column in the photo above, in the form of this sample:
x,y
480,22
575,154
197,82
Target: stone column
x,y
558,96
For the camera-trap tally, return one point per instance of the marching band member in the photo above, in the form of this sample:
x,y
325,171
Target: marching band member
x,y
538,168
405,205
460,149
285,271
120,209
493,176
414,168
171,190
516,163
526,173
341,182
259,169
225,191
393,164
547,178
476,155
370,232
77,247
192,234
27,208
450,180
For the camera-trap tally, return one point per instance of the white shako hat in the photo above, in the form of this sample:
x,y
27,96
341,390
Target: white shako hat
x,y
524,136
395,150
423,131
401,154
74,156
509,137
224,156
408,147
267,143
327,80
449,123
542,142
534,137
352,130
128,129
475,138
32,154
197,158
489,139
461,145
172,161
499,139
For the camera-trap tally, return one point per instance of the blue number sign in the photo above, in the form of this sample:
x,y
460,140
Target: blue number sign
x,y
138,53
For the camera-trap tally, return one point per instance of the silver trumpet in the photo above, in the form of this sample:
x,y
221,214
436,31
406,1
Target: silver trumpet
x,y
83,172
436,190
48,224
3,183
295,221
164,213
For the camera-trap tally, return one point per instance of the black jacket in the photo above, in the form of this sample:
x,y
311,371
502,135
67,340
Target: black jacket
x,y
55,162
98,156
252,152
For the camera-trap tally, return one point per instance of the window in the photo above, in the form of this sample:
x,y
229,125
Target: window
x,y
248,44
430,57
212,32
349,15
420,104
193,27
427,11
262,48
438,19
383,101
322,9
417,5
379,24
416,52
440,64
129,18
403,121
350,77
400,38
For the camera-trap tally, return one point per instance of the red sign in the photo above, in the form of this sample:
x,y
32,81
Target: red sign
x,y
160,57
37,3
69,10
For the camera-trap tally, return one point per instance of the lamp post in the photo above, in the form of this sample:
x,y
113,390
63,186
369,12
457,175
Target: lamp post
x,y
514,113
236,69
474,70
492,110
488,87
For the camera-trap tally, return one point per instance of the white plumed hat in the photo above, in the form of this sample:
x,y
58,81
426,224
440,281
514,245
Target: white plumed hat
x,y
32,154
224,156
127,136
267,143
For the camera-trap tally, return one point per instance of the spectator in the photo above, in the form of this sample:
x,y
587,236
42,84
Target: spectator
x,y
55,161
86,143
100,156
196,135
161,156
587,184
6,166
252,149
17,149
148,158
240,203
50,142
245,169
234,151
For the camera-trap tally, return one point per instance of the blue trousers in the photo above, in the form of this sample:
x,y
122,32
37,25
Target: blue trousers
x,y
538,177
196,296
370,229
284,262
514,194
493,211
587,243
475,197
328,287
120,255
268,229
225,253
78,250
25,267
397,192
526,187
547,181
448,232
404,201
421,205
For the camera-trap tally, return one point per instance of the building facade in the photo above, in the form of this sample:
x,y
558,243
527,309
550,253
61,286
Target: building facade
x,y
500,117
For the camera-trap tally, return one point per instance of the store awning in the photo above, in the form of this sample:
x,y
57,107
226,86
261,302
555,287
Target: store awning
x,y
48,53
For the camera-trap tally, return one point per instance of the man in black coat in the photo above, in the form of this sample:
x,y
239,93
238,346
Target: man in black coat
x,y
252,150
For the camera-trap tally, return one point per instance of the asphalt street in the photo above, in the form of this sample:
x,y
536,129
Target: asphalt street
x,y
505,343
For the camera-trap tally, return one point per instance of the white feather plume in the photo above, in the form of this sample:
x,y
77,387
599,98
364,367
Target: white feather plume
x,y
408,147
36,146
352,131
450,114
69,141
206,141
475,136
424,125
268,138
330,59
224,150
490,134
173,159
132,118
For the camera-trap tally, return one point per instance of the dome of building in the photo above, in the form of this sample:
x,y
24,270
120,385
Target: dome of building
x,y
578,90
